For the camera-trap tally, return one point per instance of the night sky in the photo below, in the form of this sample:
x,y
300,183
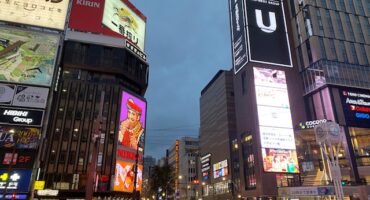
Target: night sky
x,y
187,42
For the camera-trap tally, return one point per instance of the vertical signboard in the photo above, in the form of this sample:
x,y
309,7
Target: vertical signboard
x,y
27,56
238,34
205,162
275,123
130,141
267,34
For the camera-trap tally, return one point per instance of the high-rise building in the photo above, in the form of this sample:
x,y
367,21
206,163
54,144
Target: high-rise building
x,y
95,135
219,150
183,157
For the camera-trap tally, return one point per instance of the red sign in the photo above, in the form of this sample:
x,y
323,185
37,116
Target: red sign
x,y
128,155
20,159
87,16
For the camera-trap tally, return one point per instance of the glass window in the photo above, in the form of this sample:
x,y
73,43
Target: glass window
x,y
354,55
343,52
351,6
361,145
359,33
333,49
330,25
322,48
323,3
363,54
319,21
360,7
351,36
342,5
340,26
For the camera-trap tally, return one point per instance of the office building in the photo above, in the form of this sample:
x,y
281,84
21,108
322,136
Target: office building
x,y
219,150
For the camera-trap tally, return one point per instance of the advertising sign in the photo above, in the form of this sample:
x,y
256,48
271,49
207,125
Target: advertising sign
x,y
310,124
6,93
275,121
120,18
125,175
21,159
205,162
132,122
17,180
280,160
267,34
356,107
27,56
19,137
19,116
49,14
238,34
35,97
220,169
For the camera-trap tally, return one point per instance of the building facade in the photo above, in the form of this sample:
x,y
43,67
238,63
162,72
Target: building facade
x,y
183,158
219,150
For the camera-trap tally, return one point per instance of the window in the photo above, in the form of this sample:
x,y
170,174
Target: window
x,y
340,26
322,48
343,52
323,3
360,7
342,5
333,49
319,21
330,25
354,55
351,36
309,53
363,54
359,33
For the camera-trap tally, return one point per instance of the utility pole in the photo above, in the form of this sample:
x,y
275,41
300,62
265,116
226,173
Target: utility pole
x,y
91,169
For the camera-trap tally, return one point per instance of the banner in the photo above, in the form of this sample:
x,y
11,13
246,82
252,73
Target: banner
x,y
6,93
27,56
238,34
49,14
19,137
267,33
125,175
19,116
35,97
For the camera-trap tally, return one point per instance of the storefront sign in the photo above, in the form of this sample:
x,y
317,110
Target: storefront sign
x,y
356,107
34,97
27,56
19,137
21,159
14,196
18,180
48,192
205,162
39,185
23,117
135,50
6,94
267,33
238,34
311,124
306,191
49,14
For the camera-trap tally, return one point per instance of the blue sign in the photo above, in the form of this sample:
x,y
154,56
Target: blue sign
x,y
14,196
356,107
15,181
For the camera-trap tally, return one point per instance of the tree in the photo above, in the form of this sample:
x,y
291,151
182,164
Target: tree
x,y
162,178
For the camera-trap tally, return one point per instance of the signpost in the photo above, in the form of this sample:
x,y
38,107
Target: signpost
x,y
329,138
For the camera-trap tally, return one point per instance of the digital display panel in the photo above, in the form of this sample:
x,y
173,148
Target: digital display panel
x,y
6,94
27,56
220,169
120,18
34,97
124,177
356,107
132,122
23,117
49,14
19,137
16,180
280,160
275,121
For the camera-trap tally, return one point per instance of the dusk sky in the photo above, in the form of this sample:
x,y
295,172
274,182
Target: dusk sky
x,y
187,42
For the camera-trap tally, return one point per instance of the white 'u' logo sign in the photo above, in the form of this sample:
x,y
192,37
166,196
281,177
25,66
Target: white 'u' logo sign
x,y
267,29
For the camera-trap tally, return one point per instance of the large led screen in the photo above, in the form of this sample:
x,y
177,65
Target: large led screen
x,y
27,56
120,18
132,122
220,169
49,14
280,160
274,120
125,175
356,107
19,137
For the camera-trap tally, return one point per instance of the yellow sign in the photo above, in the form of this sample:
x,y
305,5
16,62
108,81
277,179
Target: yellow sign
x,y
49,14
4,176
39,185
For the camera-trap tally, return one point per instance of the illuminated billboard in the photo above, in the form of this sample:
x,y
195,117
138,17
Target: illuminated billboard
x,y
356,107
6,94
220,169
280,160
19,137
124,177
34,97
16,180
49,14
27,56
132,122
275,121
121,18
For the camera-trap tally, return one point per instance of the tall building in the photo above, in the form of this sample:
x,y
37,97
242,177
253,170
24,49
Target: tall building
x,y
95,135
279,101
30,48
219,150
183,157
